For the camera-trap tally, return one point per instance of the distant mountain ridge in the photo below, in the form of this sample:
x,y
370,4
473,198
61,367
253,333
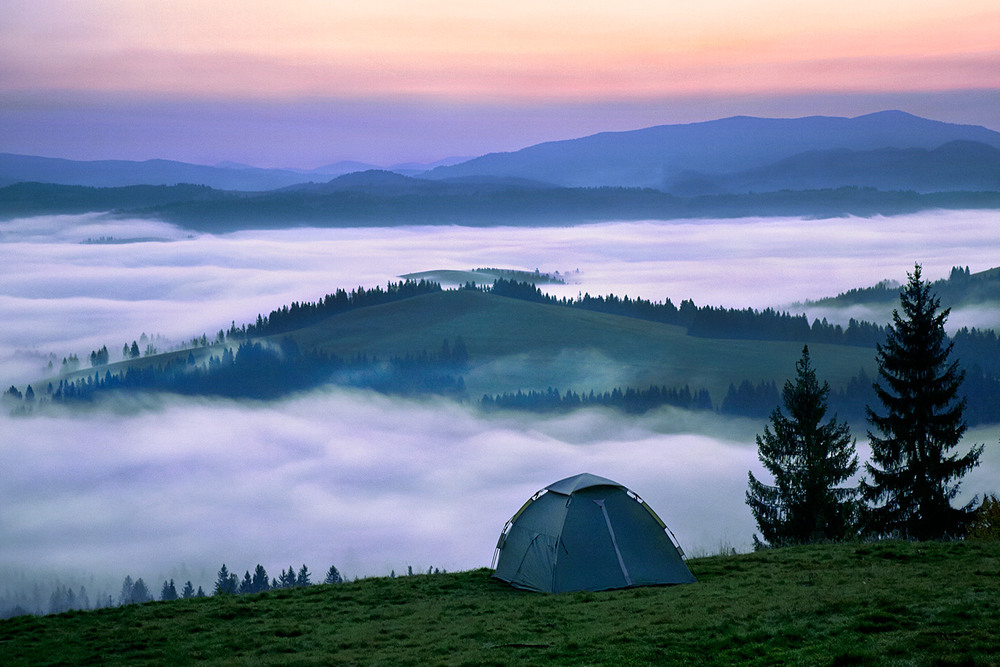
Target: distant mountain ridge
x,y
956,165
886,163
222,176
656,157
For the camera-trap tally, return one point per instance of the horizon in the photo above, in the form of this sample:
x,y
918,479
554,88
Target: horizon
x,y
455,159
305,84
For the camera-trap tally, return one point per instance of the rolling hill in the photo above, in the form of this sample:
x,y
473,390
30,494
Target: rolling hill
x,y
514,344
467,202
840,604
511,346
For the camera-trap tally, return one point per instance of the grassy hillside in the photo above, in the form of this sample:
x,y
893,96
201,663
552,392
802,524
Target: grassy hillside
x,y
516,344
520,345
883,603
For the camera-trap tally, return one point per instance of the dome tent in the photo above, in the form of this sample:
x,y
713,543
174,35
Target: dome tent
x,y
587,533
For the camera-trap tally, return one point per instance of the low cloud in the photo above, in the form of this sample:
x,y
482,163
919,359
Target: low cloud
x,y
175,488
358,480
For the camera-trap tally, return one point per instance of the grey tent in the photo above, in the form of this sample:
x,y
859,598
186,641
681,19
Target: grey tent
x,y
587,533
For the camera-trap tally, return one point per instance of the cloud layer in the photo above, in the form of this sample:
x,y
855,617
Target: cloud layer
x,y
371,484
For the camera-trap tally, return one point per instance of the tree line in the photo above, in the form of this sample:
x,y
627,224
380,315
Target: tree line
x,y
915,429
281,369
136,591
260,370
704,321
629,400
479,203
302,314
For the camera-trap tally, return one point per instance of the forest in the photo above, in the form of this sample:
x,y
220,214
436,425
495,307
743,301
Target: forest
x,y
261,359
62,598
380,199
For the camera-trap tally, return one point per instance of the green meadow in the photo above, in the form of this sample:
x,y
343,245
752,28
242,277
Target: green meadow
x,y
516,344
885,603
519,345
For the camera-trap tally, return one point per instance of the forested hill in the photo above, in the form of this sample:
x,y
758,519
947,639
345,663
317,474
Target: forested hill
x,y
372,199
961,287
511,346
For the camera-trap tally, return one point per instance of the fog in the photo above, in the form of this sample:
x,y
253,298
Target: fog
x,y
175,488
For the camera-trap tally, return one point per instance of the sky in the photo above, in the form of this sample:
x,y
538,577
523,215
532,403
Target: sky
x,y
304,83
174,488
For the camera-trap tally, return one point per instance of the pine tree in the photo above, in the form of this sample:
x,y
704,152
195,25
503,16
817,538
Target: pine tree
x,y
808,459
260,580
188,591
246,586
985,525
125,597
225,583
304,576
333,576
168,591
913,476
140,592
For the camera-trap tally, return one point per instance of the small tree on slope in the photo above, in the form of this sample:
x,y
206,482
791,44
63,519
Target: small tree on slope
x,y
808,459
914,478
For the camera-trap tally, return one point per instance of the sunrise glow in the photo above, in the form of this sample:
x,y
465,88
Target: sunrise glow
x,y
518,50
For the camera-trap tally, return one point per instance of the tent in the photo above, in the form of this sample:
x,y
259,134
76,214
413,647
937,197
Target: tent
x,y
587,533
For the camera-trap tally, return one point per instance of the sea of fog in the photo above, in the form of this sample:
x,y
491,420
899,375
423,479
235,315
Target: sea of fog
x,y
371,484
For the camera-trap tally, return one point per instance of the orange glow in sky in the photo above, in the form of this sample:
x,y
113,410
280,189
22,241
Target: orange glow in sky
x,y
514,50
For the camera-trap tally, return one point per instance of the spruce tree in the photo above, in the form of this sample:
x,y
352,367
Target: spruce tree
x,y
914,477
246,586
260,581
333,576
808,457
168,591
226,582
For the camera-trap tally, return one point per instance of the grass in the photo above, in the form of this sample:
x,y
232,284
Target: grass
x,y
516,344
889,603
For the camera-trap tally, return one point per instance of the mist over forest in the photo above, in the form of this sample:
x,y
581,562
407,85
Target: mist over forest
x,y
164,488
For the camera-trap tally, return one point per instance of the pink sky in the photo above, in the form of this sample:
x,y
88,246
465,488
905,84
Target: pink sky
x,y
391,80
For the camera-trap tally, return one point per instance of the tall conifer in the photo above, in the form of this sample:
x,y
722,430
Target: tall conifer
x,y
914,477
808,457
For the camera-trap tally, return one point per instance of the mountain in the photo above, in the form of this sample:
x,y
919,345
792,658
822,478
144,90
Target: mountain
x,y
118,173
657,157
955,166
223,175
889,150
887,163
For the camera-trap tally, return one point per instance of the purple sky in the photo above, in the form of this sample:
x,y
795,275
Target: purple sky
x,y
304,83
311,133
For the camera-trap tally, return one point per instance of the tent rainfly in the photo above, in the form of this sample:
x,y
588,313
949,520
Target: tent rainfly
x,y
587,533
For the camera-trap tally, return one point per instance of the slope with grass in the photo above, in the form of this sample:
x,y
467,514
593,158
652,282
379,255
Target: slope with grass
x,y
515,344
892,603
